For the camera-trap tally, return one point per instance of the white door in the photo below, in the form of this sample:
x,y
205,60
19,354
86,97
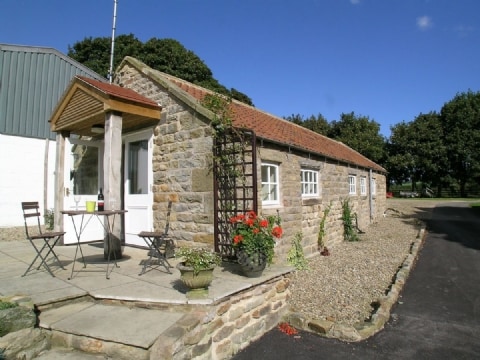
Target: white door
x,y
83,179
138,196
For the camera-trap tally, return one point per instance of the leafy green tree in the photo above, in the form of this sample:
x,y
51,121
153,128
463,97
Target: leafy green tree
x,y
460,119
361,134
315,123
169,56
166,55
94,53
416,152
399,161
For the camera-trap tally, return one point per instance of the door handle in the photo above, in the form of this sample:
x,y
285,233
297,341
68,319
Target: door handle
x,y
67,192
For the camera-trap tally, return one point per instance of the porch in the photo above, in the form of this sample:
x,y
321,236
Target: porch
x,y
143,316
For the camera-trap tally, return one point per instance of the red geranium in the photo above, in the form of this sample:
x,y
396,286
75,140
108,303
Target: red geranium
x,y
254,234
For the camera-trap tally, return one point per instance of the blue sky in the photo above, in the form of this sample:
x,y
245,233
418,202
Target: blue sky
x,y
389,60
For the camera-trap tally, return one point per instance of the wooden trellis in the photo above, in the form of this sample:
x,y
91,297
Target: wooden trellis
x,y
235,183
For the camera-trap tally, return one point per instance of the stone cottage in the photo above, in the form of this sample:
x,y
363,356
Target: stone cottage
x,y
300,175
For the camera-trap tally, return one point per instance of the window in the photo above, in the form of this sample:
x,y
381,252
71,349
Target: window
x,y
352,184
270,191
309,180
363,185
373,187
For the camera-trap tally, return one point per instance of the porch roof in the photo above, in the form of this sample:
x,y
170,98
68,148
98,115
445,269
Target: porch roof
x,y
86,101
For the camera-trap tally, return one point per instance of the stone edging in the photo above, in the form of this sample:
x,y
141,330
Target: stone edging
x,y
380,316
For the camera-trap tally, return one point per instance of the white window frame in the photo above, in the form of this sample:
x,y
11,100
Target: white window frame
x,y
363,185
271,184
373,186
352,184
309,182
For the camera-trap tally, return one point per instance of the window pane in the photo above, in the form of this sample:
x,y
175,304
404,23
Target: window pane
x,y
138,167
264,174
84,170
273,192
264,191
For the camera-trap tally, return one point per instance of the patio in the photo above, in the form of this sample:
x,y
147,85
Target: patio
x,y
235,302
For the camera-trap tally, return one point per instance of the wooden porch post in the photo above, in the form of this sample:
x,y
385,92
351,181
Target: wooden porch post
x,y
59,181
112,175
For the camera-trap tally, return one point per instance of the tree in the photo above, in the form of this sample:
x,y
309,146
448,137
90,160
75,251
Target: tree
x,y
94,53
416,152
361,134
399,161
166,55
318,124
460,120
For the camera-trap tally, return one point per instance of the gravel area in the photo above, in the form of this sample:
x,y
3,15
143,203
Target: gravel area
x,y
343,286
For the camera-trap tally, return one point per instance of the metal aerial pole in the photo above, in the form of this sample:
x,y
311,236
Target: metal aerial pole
x,y
110,71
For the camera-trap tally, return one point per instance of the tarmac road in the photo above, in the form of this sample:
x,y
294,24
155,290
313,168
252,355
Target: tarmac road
x,y
437,315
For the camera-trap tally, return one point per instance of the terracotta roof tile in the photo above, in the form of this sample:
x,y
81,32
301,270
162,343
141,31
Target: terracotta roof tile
x,y
118,91
273,128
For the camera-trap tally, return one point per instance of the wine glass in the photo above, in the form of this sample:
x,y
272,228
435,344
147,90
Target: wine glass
x,y
77,199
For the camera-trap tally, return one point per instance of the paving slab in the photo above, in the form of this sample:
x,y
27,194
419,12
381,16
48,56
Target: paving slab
x,y
120,324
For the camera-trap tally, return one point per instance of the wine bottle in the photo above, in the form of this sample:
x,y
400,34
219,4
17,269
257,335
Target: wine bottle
x,y
100,201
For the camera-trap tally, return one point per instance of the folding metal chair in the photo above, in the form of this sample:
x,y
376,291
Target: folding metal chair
x,y
42,242
160,246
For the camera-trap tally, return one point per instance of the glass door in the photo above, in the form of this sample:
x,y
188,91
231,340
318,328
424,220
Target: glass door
x,y
83,179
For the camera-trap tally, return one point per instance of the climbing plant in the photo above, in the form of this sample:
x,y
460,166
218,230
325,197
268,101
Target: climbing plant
x,y
321,232
348,217
295,256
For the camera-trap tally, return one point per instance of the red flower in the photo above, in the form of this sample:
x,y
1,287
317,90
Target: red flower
x,y
287,329
237,239
277,231
264,223
249,221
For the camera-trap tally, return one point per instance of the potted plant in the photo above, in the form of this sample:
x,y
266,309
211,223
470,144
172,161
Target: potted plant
x,y
196,269
254,239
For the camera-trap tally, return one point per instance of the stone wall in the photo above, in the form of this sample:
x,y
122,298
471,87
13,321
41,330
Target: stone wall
x,y
228,327
305,214
182,163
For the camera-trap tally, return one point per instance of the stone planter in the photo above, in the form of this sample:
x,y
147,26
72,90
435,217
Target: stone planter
x,y
197,283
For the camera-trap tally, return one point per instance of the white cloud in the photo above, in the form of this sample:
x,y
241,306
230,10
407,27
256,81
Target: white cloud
x,y
355,2
424,22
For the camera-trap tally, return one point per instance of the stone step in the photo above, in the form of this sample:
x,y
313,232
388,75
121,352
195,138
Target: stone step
x,y
69,354
119,332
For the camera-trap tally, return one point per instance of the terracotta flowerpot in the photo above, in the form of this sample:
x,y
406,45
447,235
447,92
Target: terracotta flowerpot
x,y
252,265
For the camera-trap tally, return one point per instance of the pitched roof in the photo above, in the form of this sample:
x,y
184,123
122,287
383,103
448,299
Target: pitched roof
x,y
270,127
118,91
86,101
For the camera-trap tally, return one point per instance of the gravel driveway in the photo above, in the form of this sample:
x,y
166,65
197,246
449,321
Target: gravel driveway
x,y
343,286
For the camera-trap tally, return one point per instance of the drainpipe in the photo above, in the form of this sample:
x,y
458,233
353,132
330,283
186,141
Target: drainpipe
x,y
371,195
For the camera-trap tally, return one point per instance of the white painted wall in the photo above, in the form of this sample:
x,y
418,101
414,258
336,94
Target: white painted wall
x,y
22,167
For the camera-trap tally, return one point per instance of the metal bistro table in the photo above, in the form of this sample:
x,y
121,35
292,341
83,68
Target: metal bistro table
x,y
108,225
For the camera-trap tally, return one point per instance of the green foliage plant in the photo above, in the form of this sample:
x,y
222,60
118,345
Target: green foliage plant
x,y
295,256
49,219
348,217
7,305
198,258
321,232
